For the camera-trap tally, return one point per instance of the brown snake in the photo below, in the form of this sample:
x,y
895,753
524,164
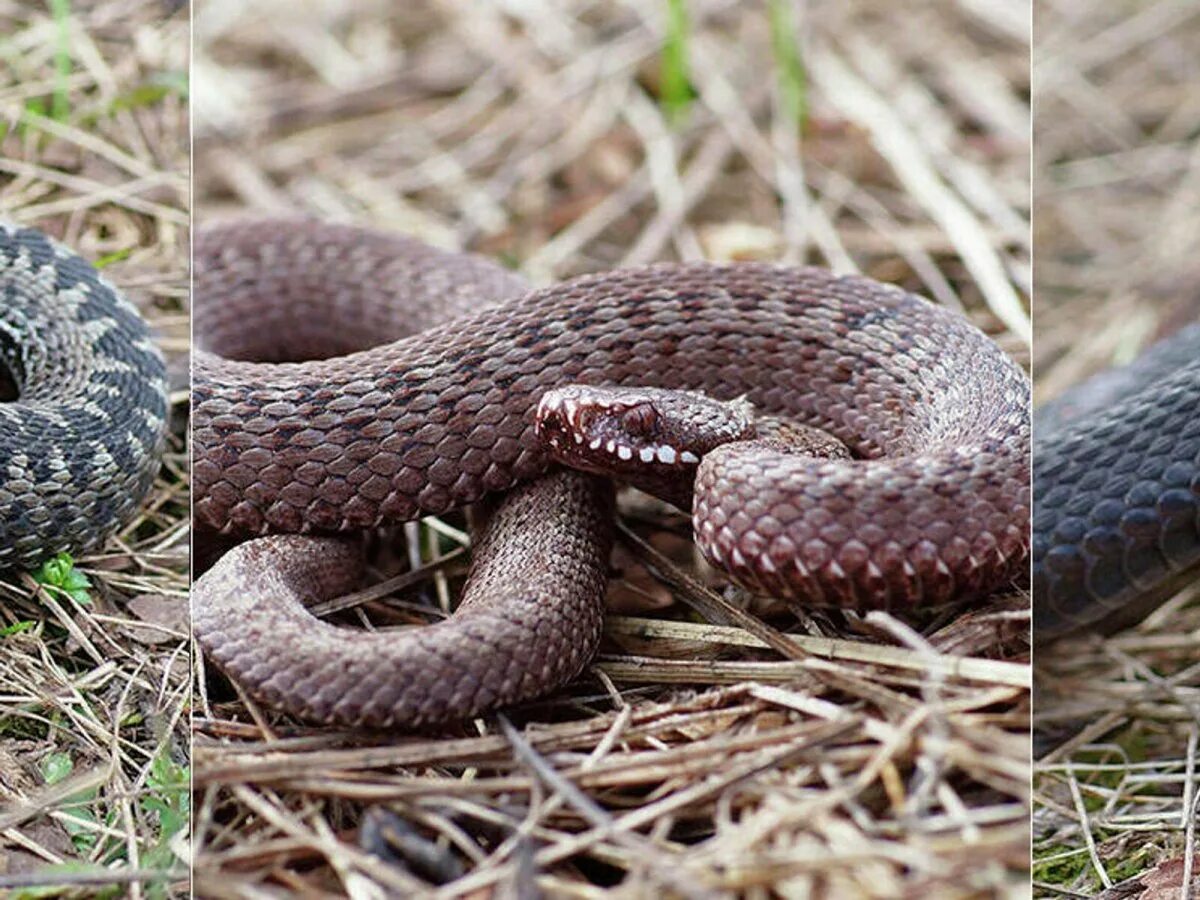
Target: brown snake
x,y
933,508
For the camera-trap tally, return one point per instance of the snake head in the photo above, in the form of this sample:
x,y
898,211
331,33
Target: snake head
x,y
637,433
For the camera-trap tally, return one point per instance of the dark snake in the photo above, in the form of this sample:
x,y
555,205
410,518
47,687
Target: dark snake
x,y
83,420
1116,525
327,436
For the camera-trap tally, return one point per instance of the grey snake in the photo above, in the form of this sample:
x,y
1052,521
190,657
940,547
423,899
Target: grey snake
x,y
82,433
1116,522
365,379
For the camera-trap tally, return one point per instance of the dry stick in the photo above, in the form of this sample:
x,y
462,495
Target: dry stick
x,y
528,120
932,764
970,668
1130,32
94,877
1189,844
916,100
272,761
705,166
662,162
48,597
88,189
329,847
895,142
877,216
599,752
545,261
85,141
980,87
705,601
1081,814
19,813
390,586
679,799
630,769
544,143
1012,20
124,802
723,99
596,815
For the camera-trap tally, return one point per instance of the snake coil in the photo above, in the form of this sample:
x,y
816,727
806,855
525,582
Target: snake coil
x,y
81,439
934,506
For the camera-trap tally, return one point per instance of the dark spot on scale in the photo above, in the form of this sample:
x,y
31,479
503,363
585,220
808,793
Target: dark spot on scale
x,y
867,318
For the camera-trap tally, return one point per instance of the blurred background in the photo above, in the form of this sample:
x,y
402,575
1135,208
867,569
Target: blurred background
x,y
1117,182
571,137
1116,234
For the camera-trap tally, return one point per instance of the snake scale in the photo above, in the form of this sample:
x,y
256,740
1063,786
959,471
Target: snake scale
x,y
307,419
84,427
1116,526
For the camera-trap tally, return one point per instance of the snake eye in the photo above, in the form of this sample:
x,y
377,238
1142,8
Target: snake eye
x,y
640,420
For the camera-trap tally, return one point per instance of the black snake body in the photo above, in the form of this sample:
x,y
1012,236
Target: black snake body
x,y
81,439
1116,527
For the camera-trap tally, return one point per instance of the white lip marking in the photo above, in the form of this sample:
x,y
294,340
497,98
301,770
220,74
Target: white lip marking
x,y
611,446
646,454
578,437
624,452
666,455
595,444
689,457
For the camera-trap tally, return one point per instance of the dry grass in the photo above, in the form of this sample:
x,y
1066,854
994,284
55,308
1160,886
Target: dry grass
x,y
707,750
94,696
1117,181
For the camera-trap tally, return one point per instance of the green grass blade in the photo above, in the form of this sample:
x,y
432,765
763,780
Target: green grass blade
x,y
793,82
60,107
676,88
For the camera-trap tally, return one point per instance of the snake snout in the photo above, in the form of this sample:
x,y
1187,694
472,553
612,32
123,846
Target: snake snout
x,y
628,432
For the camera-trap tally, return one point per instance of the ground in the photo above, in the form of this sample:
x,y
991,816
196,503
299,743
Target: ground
x,y
95,684
864,758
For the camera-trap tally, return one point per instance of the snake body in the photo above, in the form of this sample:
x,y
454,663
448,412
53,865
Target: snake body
x,y
933,508
81,439
1116,526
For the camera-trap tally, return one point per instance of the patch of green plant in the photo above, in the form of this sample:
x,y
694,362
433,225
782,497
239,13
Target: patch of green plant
x,y
60,107
168,803
34,112
1133,864
109,258
18,628
1063,869
793,83
79,819
676,88
152,91
59,573
23,728
56,767
99,892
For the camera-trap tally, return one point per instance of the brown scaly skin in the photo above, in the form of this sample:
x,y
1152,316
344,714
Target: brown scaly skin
x,y
515,633
933,509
